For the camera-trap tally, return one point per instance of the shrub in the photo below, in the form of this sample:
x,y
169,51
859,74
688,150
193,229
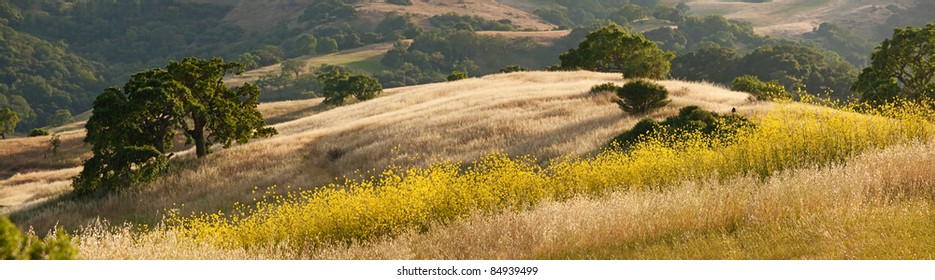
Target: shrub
x,y
691,120
14,245
364,87
761,90
605,87
457,75
400,2
35,132
513,68
642,96
338,84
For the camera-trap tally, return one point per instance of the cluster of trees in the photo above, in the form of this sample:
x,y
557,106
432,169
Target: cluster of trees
x,y
569,14
321,12
435,54
793,65
475,23
852,46
132,129
902,68
40,79
692,33
131,35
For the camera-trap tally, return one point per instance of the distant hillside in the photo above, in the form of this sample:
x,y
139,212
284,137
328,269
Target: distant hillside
x,y
790,18
263,15
39,78
543,114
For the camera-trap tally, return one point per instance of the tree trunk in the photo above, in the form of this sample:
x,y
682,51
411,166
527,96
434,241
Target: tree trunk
x,y
159,143
198,134
160,147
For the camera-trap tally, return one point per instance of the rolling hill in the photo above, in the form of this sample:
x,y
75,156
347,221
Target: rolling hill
x,y
542,114
791,18
868,204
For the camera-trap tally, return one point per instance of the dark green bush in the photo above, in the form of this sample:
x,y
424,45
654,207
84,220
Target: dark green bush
x,y
642,96
513,68
691,119
35,132
14,245
761,90
457,75
605,87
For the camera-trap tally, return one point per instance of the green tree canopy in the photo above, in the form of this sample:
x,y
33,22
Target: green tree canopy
x,y
306,44
612,49
321,12
805,66
217,113
902,67
642,96
131,129
714,64
8,121
396,27
293,66
338,84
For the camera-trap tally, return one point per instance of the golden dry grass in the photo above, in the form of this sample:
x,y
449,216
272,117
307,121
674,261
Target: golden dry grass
x,y
544,114
29,154
876,206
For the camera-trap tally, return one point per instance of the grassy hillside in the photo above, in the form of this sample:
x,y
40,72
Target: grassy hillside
x,y
791,18
541,114
807,182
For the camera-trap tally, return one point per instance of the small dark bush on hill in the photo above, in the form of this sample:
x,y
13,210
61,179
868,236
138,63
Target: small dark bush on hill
x,y
642,96
691,119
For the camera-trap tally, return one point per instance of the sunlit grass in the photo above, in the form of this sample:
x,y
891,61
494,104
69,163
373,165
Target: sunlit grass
x,y
791,136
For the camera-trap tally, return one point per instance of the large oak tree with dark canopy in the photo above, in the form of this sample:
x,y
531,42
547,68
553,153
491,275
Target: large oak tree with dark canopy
x,y
132,128
902,67
612,49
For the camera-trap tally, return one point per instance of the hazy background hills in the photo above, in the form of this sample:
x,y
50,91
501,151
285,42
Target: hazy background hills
x,y
58,55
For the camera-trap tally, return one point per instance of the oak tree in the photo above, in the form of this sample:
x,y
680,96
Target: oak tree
x,y
612,49
902,67
8,121
132,128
